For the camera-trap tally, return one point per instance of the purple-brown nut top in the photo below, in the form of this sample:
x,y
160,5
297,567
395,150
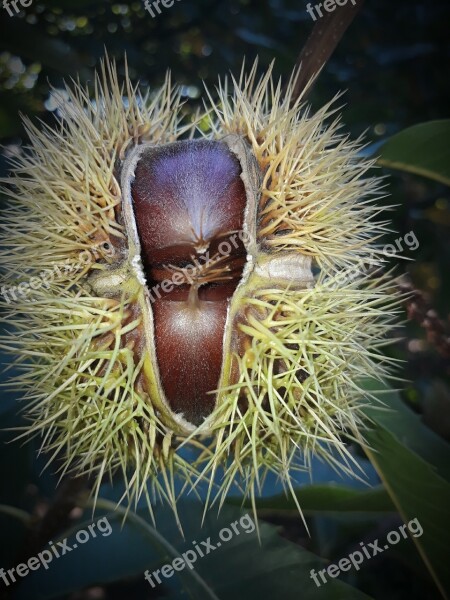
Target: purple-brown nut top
x,y
188,198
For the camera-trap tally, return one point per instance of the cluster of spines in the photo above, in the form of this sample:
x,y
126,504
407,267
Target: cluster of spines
x,y
309,350
83,396
64,196
315,200
77,379
302,380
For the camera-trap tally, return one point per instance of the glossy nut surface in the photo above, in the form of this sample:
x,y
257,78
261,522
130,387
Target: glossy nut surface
x,y
189,202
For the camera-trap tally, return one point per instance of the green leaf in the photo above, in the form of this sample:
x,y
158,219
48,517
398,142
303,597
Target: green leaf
x,y
408,428
315,499
397,449
423,149
242,567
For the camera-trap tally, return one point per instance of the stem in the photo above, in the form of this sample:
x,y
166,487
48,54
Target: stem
x,y
322,42
12,511
421,311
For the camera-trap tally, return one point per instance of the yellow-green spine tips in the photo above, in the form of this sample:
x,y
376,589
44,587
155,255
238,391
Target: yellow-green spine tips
x,y
214,310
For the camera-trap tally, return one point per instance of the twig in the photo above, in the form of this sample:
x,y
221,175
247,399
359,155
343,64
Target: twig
x,y
57,517
419,310
55,520
322,42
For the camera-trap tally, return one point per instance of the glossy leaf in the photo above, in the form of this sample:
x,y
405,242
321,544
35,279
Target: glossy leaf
x,y
241,567
413,476
423,149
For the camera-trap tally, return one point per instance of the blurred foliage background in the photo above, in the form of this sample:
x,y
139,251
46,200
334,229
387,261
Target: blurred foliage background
x,y
393,64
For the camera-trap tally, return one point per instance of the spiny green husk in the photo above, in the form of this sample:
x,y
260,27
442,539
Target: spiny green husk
x,y
297,393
